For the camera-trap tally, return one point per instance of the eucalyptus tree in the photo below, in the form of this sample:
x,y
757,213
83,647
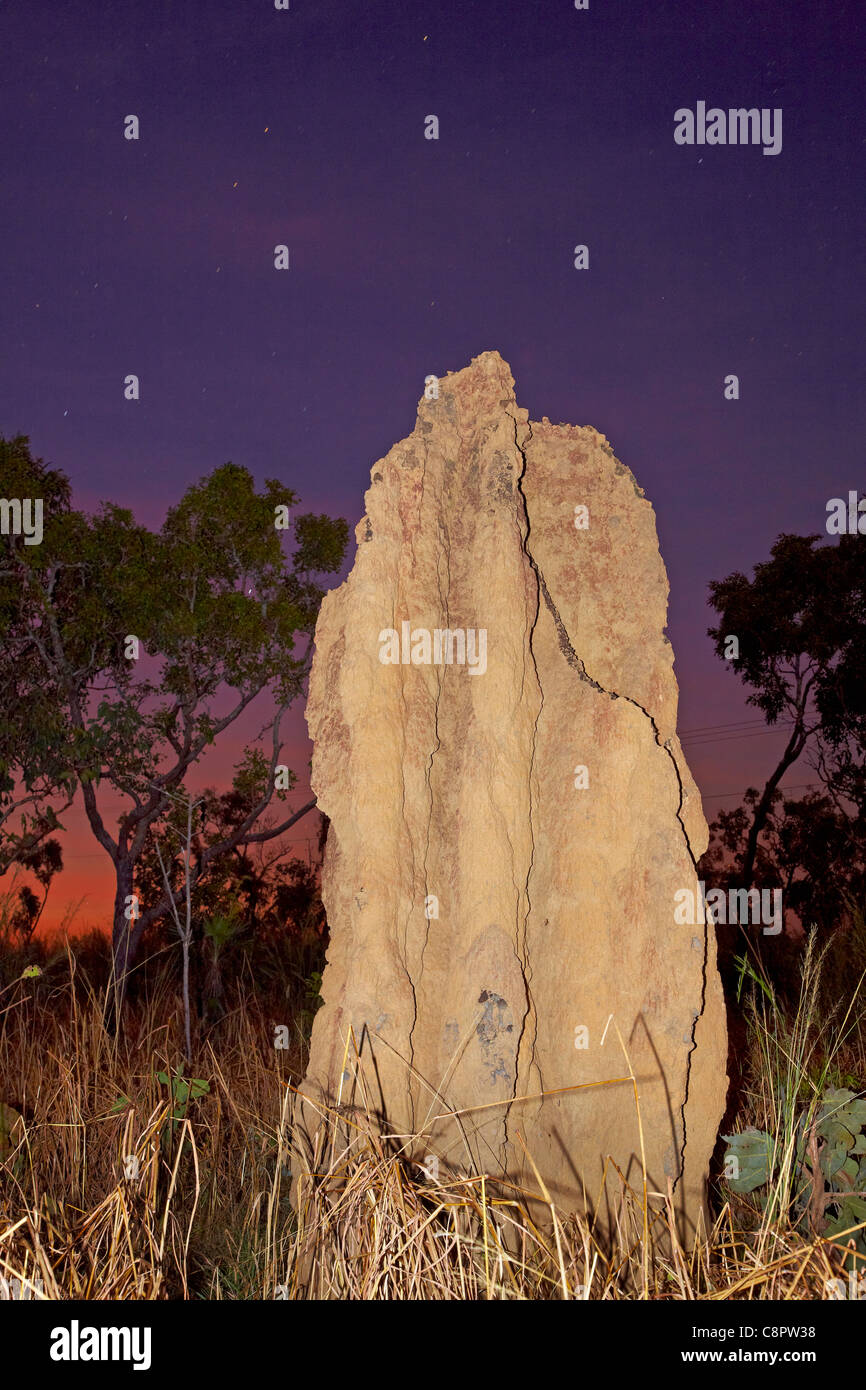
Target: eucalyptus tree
x,y
800,630
136,650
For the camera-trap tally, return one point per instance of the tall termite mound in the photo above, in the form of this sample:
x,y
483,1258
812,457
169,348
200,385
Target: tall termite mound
x,y
493,711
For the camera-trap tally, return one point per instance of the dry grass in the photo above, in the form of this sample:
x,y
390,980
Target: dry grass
x,y
106,1192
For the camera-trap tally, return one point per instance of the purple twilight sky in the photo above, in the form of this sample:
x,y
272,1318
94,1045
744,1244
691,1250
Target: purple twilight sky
x,y
409,256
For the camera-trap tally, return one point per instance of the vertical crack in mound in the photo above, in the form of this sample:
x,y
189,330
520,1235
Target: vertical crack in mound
x,y
708,926
523,958
578,665
445,601
404,960
466,812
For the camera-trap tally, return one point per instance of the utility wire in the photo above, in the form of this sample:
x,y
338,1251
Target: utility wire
x,y
709,728
793,787
731,738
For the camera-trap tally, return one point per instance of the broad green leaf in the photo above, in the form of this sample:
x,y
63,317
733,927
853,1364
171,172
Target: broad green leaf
x,y
753,1151
837,1134
832,1159
852,1211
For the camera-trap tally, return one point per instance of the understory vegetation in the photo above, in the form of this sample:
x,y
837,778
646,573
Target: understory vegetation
x,y
131,1170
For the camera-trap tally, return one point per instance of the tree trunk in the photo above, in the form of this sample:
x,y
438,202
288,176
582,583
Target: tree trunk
x,y
125,938
796,744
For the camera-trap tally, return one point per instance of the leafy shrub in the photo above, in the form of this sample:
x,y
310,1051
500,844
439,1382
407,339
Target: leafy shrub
x,y
830,1168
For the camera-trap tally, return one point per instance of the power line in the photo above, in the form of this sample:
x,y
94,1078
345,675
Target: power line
x,y
732,738
735,724
793,787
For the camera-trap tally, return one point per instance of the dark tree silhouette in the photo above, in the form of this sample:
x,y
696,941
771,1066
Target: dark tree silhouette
x,y
801,627
35,786
137,650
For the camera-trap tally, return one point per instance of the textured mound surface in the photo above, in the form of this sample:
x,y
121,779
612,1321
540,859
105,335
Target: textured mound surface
x,y
509,827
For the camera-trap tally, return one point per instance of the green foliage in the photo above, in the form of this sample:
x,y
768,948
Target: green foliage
x,y
800,623
321,544
182,1090
32,766
851,1211
813,1133
803,610
751,1154
746,971
221,928
835,1134
841,1125
312,1003
222,616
